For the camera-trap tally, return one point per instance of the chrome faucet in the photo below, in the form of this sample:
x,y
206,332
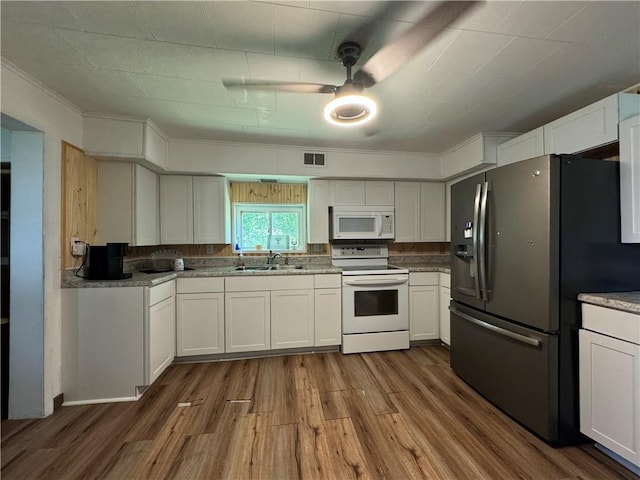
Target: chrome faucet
x,y
271,259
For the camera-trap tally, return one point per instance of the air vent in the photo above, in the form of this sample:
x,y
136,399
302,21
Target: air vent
x,y
314,159
268,180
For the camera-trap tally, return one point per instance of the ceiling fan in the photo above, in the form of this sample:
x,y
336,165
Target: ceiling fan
x,y
349,106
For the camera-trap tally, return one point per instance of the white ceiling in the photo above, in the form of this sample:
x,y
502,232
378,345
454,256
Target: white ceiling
x,y
508,66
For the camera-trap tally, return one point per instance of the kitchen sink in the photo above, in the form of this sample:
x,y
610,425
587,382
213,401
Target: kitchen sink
x,y
263,268
162,270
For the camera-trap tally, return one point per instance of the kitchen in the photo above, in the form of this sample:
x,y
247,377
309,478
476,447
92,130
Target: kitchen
x,y
62,121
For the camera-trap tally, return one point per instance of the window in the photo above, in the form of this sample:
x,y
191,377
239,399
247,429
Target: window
x,y
264,227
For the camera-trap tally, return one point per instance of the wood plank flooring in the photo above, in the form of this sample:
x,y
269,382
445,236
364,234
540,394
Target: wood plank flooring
x,y
388,415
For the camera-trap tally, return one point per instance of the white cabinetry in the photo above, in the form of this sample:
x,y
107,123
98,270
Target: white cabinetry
x,y
630,179
424,311
194,210
420,212
199,316
475,153
445,299
162,328
362,192
127,204
117,138
328,310
247,321
292,316
318,202
527,145
610,380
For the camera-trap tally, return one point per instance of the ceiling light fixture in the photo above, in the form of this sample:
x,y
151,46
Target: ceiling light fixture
x,y
350,110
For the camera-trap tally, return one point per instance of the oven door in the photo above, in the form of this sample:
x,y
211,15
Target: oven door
x,y
375,303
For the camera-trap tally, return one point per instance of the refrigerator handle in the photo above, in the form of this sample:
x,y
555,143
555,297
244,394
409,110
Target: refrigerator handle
x,y
474,239
534,342
482,243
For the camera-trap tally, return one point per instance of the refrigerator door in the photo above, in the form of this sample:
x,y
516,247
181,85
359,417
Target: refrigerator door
x,y
465,204
522,246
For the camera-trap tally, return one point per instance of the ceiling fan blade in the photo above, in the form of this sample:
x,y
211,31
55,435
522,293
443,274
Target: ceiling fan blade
x,y
293,87
395,54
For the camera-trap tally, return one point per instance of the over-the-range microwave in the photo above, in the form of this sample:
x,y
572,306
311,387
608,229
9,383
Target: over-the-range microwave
x,y
362,222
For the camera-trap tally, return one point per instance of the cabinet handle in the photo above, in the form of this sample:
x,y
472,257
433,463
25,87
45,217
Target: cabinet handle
x,y
499,330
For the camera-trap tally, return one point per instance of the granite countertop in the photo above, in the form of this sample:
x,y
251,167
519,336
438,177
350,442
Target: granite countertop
x,y
425,266
625,301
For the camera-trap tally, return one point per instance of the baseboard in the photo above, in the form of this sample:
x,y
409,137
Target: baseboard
x,y
58,400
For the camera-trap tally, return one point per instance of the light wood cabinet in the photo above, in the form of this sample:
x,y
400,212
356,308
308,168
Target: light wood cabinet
x,y
292,319
445,299
194,210
630,179
420,212
318,203
127,204
527,145
247,321
363,192
424,312
328,310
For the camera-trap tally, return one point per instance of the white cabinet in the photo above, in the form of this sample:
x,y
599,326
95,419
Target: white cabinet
x,y
119,138
199,316
127,204
610,380
420,211
424,312
328,310
247,321
194,210
477,152
362,192
445,299
527,145
162,329
630,179
292,318
318,202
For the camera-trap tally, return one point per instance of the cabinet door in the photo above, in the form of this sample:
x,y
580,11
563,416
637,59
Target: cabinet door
x,y
328,316
200,324
610,393
378,193
146,207
292,318
318,202
247,321
407,211
527,145
445,330
114,203
162,336
348,192
176,209
432,207
424,313
630,179
211,223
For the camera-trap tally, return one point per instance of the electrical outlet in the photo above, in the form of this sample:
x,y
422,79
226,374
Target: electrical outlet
x,y
209,250
78,247
318,247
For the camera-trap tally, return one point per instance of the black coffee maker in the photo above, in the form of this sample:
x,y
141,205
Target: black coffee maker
x,y
105,261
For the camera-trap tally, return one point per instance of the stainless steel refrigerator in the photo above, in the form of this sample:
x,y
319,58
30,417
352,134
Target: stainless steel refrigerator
x,y
526,239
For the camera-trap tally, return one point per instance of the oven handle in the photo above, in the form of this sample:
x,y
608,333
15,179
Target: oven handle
x,y
386,281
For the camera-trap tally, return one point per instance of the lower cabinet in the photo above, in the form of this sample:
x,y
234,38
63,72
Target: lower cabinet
x,y
162,336
328,310
424,313
445,299
292,316
247,321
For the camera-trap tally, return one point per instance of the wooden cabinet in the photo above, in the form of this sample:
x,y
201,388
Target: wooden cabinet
x,y
247,321
527,145
363,192
194,210
420,211
318,203
630,179
328,310
424,312
445,299
609,346
199,316
127,204
292,318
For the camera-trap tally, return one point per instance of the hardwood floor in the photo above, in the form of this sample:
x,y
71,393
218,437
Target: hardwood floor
x,y
388,415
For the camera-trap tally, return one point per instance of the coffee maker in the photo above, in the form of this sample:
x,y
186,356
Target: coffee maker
x,y
105,261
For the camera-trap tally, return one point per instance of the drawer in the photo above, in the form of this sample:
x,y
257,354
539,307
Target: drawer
x,y
268,283
162,291
614,323
424,278
200,285
445,280
328,281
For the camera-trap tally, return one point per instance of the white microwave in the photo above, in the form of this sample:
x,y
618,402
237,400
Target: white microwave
x,y
362,222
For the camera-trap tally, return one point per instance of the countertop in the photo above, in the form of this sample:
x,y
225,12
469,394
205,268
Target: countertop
x,y
625,301
69,280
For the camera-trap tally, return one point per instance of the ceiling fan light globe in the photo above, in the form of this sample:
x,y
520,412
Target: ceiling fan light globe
x,y
350,110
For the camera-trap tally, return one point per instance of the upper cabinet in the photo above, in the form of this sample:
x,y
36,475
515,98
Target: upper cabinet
x,y
630,179
194,210
115,138
475,153
420,212
318,203
527,145
127,204
362,192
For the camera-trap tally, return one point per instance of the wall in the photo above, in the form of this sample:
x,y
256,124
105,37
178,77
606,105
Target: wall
x,y
26,100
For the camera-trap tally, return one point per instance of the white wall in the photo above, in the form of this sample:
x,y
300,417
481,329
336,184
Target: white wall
x,y
27,101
